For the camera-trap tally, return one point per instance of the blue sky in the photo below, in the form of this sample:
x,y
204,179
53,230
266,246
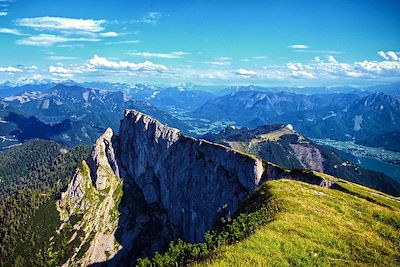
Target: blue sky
x,y
208,42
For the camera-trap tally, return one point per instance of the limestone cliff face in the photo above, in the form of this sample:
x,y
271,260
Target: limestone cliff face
x,y
191,179
93,195
151,184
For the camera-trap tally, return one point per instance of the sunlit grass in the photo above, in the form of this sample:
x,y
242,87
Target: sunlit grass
x,y
321,227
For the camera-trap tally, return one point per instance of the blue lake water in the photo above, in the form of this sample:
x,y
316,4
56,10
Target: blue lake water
x,y
372,158
392,170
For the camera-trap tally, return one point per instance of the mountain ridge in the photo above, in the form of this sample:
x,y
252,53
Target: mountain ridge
x,y
161,169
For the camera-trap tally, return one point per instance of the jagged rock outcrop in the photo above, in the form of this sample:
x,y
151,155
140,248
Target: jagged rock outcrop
x,y
174,186
191,179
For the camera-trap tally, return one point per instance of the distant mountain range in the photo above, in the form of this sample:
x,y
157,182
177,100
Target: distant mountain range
x,y
69,114
282,145
337,116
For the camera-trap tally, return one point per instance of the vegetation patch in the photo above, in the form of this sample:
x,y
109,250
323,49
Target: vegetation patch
x,y
291,223
256,211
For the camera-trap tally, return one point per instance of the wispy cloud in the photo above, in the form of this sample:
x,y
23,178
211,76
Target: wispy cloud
x,y
124,42
55,30
219,61
3,13
108,34
171,55
260,57
299,46
10,69
245,73
54,57
62,24
50,39
332,52
10,31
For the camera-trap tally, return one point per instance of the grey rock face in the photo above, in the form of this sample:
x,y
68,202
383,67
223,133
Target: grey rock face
x,y
191,179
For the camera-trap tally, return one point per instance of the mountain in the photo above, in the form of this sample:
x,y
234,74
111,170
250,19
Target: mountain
x,y
15,129
390,140
8,89
246,106
150,184
84,111
179,98
366,118
374,115
142,182
336,116
284,146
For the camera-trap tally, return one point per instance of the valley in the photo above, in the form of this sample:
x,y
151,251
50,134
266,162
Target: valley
x,y
199,133
373,158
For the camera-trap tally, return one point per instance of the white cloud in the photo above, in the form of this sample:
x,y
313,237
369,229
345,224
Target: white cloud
x,y
10,69
10,31
380,68
61,71
299,46
245,72
159,55
332,52
103,62
390,55
50,39
333,69
298,70
108,34
302,74
260,57
102,65
60,23
219,61
3,13
70,45
33,67
60,58
332,59
124,42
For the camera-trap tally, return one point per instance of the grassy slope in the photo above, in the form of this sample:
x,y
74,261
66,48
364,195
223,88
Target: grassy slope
x,y
321,227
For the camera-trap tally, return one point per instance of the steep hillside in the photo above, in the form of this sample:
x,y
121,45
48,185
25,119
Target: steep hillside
x,y
284,146
352,226
390,140
16,128
32,176
307,226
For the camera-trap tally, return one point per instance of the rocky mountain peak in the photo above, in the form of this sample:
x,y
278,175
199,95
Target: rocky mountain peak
x,y
152,175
